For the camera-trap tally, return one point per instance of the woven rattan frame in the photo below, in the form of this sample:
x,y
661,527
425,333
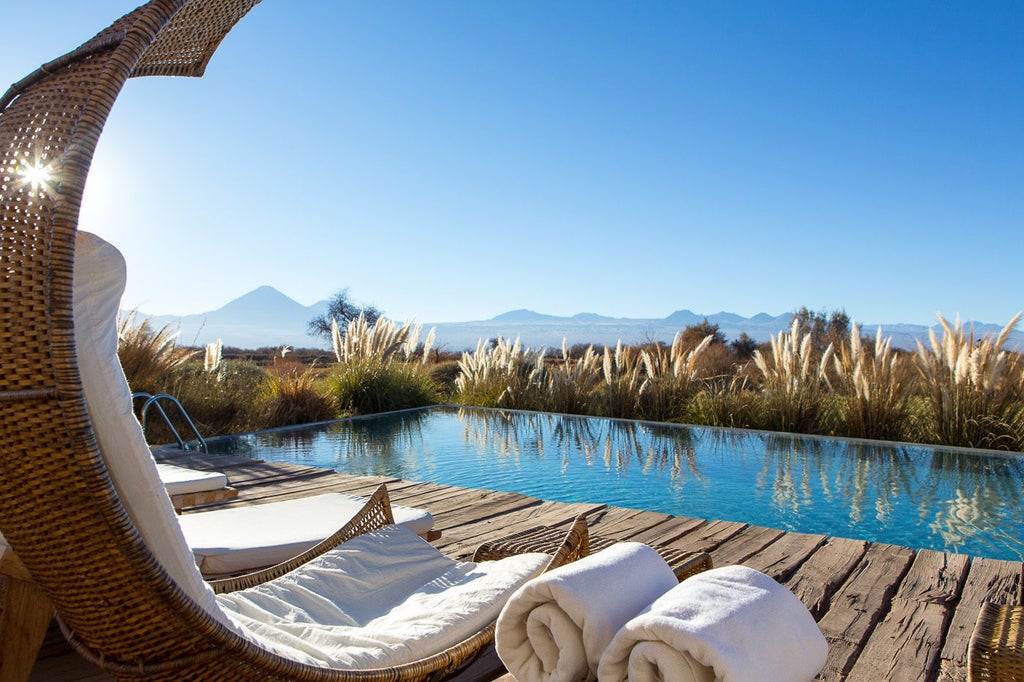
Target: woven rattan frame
x,y
58,508
996,651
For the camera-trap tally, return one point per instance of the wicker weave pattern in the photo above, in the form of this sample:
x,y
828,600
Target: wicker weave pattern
x,y
997,646
996,651
58,508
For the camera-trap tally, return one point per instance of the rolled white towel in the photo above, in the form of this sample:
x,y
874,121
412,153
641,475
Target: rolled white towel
x,y
732,624
556,626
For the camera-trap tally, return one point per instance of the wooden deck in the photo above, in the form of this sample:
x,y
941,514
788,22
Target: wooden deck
x,y
889,613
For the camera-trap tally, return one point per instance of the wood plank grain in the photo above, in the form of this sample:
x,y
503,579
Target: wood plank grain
x,y
824,572
782,558
860,604
749,541
907,643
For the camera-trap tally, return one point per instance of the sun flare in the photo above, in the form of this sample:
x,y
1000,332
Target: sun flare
x,y
37,176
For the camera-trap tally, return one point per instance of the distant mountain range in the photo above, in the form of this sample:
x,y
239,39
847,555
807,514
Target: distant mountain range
x,y
266,317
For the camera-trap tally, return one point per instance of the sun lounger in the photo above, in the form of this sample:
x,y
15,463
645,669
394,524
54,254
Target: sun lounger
x,y
189,487
240,539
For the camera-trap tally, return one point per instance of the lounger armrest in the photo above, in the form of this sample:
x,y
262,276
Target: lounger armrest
x,y
376,513
563,546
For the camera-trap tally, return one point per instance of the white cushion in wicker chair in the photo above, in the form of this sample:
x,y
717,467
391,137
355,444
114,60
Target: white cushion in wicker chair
x,y
99,281
379,600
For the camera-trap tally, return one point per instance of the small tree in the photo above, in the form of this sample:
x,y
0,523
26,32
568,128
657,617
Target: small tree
x,y
695,334
344,310
744,346
825,329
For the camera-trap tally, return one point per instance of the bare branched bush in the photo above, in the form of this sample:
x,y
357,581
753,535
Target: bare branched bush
x,y
973,387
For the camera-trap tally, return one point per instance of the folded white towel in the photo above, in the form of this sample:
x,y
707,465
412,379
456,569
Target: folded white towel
x,y
556,626
732,624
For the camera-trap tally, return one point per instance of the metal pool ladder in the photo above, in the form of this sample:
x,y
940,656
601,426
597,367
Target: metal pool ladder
x,y
154,401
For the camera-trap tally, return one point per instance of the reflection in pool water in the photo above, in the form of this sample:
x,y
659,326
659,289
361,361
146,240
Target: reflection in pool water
x,y
913,495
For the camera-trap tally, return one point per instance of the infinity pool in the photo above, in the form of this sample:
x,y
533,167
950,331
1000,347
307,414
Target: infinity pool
x,y
951,500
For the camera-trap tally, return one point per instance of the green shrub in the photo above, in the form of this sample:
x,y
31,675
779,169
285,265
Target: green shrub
x,y
366,385
723,402
230,400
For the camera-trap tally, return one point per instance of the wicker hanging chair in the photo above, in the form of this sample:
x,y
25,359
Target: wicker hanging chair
x,y
58,508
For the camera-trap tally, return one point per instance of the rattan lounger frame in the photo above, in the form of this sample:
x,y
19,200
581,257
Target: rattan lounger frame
x,y
58,508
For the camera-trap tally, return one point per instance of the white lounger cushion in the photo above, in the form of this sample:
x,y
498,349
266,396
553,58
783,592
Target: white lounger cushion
x,y
382,599
182,481
99,279
240,539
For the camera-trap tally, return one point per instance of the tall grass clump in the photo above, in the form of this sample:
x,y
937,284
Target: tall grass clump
x,y
872,387
376,371
502,374
723,402
792,389
973,387
293,394
572,383
228,400
622,374
671,379
147,355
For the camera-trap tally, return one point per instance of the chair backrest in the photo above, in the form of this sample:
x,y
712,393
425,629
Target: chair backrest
x,y
59,509
99,281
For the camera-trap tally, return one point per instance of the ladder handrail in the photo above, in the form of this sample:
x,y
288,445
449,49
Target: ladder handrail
x,y
154,400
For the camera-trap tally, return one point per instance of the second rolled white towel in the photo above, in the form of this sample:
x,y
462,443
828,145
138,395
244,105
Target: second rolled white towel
x,y
556,626
733,624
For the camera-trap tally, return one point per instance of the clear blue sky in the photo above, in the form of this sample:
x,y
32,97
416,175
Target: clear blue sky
x,y
455,160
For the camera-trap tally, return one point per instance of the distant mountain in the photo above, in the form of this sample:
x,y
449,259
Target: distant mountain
x,y
266,317
523,315
262,317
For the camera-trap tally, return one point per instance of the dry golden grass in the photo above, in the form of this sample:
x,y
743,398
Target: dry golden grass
x,y
147,354
973,386
792,383
502,374
873,386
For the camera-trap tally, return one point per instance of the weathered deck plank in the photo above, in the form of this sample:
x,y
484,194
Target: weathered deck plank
x,y
860,604
907,643
782,558
821,576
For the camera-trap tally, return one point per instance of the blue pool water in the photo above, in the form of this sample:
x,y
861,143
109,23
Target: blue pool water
x,y
918,496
